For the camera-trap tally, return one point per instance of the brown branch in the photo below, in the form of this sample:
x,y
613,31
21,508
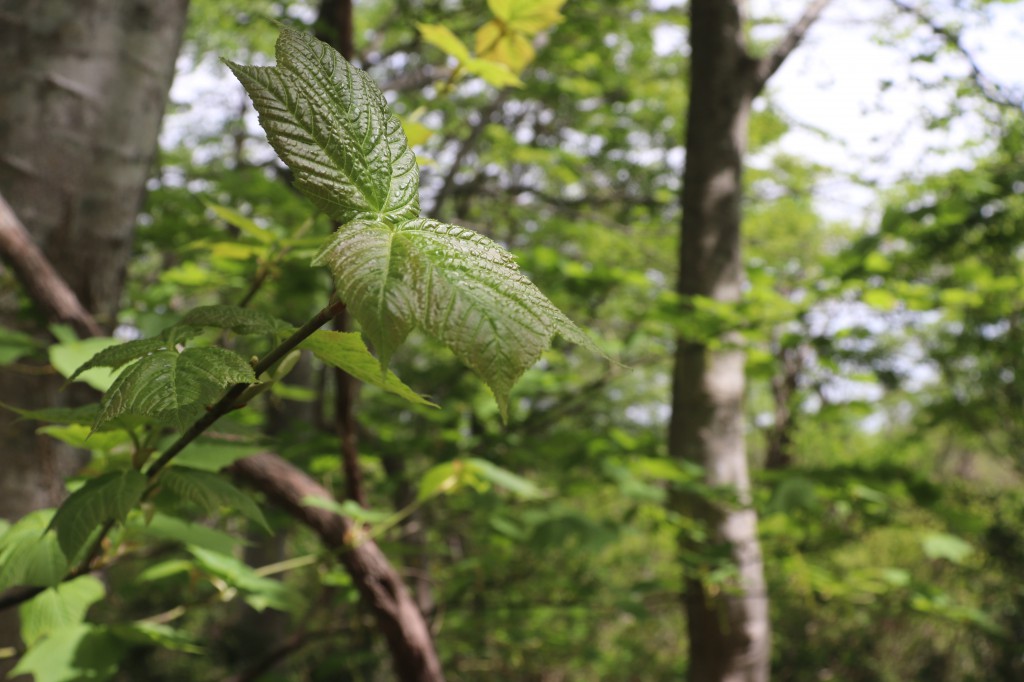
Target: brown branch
x,y
467,145
766,66
346,424
988,88
409,639
42,282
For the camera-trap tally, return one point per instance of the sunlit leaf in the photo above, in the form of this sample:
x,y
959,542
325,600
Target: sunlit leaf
x,y
347,352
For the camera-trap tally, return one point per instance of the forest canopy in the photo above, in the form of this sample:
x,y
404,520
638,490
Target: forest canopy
x,y
511,340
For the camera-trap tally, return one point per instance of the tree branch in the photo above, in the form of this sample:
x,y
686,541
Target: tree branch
x,y
766,66
42,282
989,89
410,642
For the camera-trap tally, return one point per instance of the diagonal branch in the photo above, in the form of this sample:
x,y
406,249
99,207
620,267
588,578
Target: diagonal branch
x,y
44,285
766,66
988,88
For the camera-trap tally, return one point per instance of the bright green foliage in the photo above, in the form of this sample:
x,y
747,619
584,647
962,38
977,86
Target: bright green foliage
x,y
77,652
59,607
173,387
331,125
211,492
120,355
29,555
347,352
105,498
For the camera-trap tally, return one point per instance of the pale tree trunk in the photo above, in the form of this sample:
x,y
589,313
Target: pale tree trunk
x,y
84,85
728,625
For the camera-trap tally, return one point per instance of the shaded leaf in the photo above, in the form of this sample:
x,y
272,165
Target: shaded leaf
x,y
174,387
106,498
68,356
29,555
503,478
211,492
72,654
233,318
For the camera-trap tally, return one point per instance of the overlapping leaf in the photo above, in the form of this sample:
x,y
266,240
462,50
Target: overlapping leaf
x,y
105,498
459,286
330,124
211,492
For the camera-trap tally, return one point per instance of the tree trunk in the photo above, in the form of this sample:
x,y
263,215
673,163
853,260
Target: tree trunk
x,y
84,86
728,624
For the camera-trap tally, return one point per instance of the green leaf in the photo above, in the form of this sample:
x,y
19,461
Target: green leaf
x,y
30,557
174,387
349,508
347,352
238,320
15,345
946,546
442,38
330,123
145,633
59,607
173,529
86,414
211,492
503,478
73,654
261,593
212,455
121,354
244,224
440,479
67,357
105,498
459,286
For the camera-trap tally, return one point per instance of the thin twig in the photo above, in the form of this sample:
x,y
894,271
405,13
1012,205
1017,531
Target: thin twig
x,y
770,63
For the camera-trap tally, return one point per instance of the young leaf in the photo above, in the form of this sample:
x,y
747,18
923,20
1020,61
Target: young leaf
x,y
331,125
174,387
347,352
329,122
211,492
105,498
233,318
459,286
261,593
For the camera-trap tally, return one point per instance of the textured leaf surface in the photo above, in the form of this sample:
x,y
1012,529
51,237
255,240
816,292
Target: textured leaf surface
x,y
105,498
347,352
459,286
211,492
174,387
233,318
331,125
121,354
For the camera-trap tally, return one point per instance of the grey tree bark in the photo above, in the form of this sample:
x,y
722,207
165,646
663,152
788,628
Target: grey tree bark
x,y
84,86
728,625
